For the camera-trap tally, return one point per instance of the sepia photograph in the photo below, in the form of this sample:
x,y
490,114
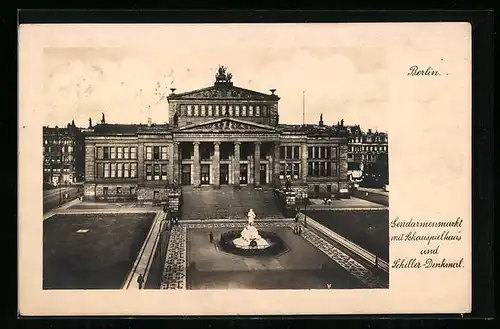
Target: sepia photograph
x,y
251,157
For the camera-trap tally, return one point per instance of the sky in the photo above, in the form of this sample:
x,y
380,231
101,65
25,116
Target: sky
x,y
124,71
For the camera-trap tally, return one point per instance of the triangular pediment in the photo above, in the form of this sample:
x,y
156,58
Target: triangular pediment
x,y
223,92
227,125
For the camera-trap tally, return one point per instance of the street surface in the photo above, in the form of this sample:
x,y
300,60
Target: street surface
x,y
55,198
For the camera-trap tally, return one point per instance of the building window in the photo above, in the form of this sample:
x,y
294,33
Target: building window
x,y
288,168
164,153
210,111
237,111
118,190
189,111
250,110
105,190
244,111
310,169
119,153
282,152
257,111
156,152
112,153
149,153
149,172
296,152
157,172
288,152
196,111
106,170
133,170
217,111
125,152
202,111
120,170
126,170
309,152
334,153
329,188
106,152
163,172
296,171
113,170
282,171
334,169
100,170
133,153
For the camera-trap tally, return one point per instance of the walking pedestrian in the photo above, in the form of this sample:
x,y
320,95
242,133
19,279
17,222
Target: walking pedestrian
x,y
140,281
211,237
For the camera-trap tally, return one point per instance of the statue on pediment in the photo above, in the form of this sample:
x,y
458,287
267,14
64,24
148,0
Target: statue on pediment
x,y
222,76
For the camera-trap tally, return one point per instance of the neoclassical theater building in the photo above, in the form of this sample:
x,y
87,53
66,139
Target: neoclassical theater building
x,y
215,136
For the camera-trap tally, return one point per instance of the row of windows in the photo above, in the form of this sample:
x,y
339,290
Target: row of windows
x,y
59,141
224,110
58,159
156,172
368,140
65,170
290,171
111,152
367,148
156,153
117,170
322,152
359,157
289,152
119,190
63,149
322,169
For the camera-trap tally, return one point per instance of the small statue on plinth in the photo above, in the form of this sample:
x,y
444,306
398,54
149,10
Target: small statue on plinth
x,y
251,217
288,184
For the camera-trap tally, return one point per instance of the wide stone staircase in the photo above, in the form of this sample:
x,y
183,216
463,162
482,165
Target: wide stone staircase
x,y
228,203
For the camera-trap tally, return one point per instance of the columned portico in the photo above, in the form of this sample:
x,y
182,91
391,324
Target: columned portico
x,y
303,162
196,164
216,164
236,164
276,163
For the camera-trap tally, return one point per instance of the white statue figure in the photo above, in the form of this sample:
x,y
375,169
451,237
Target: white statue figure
x,y
251,217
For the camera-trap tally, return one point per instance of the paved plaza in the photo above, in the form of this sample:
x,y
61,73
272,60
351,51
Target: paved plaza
x,y
309,261
91,251
368,229
228,203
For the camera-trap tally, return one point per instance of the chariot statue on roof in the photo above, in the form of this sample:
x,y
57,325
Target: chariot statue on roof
x,y
222,76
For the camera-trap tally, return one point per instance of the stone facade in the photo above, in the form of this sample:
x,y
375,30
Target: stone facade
x,y
63,155
220,135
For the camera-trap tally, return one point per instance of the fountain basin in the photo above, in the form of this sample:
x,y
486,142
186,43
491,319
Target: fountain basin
x,y
239,243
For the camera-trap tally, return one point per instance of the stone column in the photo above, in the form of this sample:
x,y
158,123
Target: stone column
x,y
236,166
257,164
216,164
196,164
176,162
276,162
303,162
